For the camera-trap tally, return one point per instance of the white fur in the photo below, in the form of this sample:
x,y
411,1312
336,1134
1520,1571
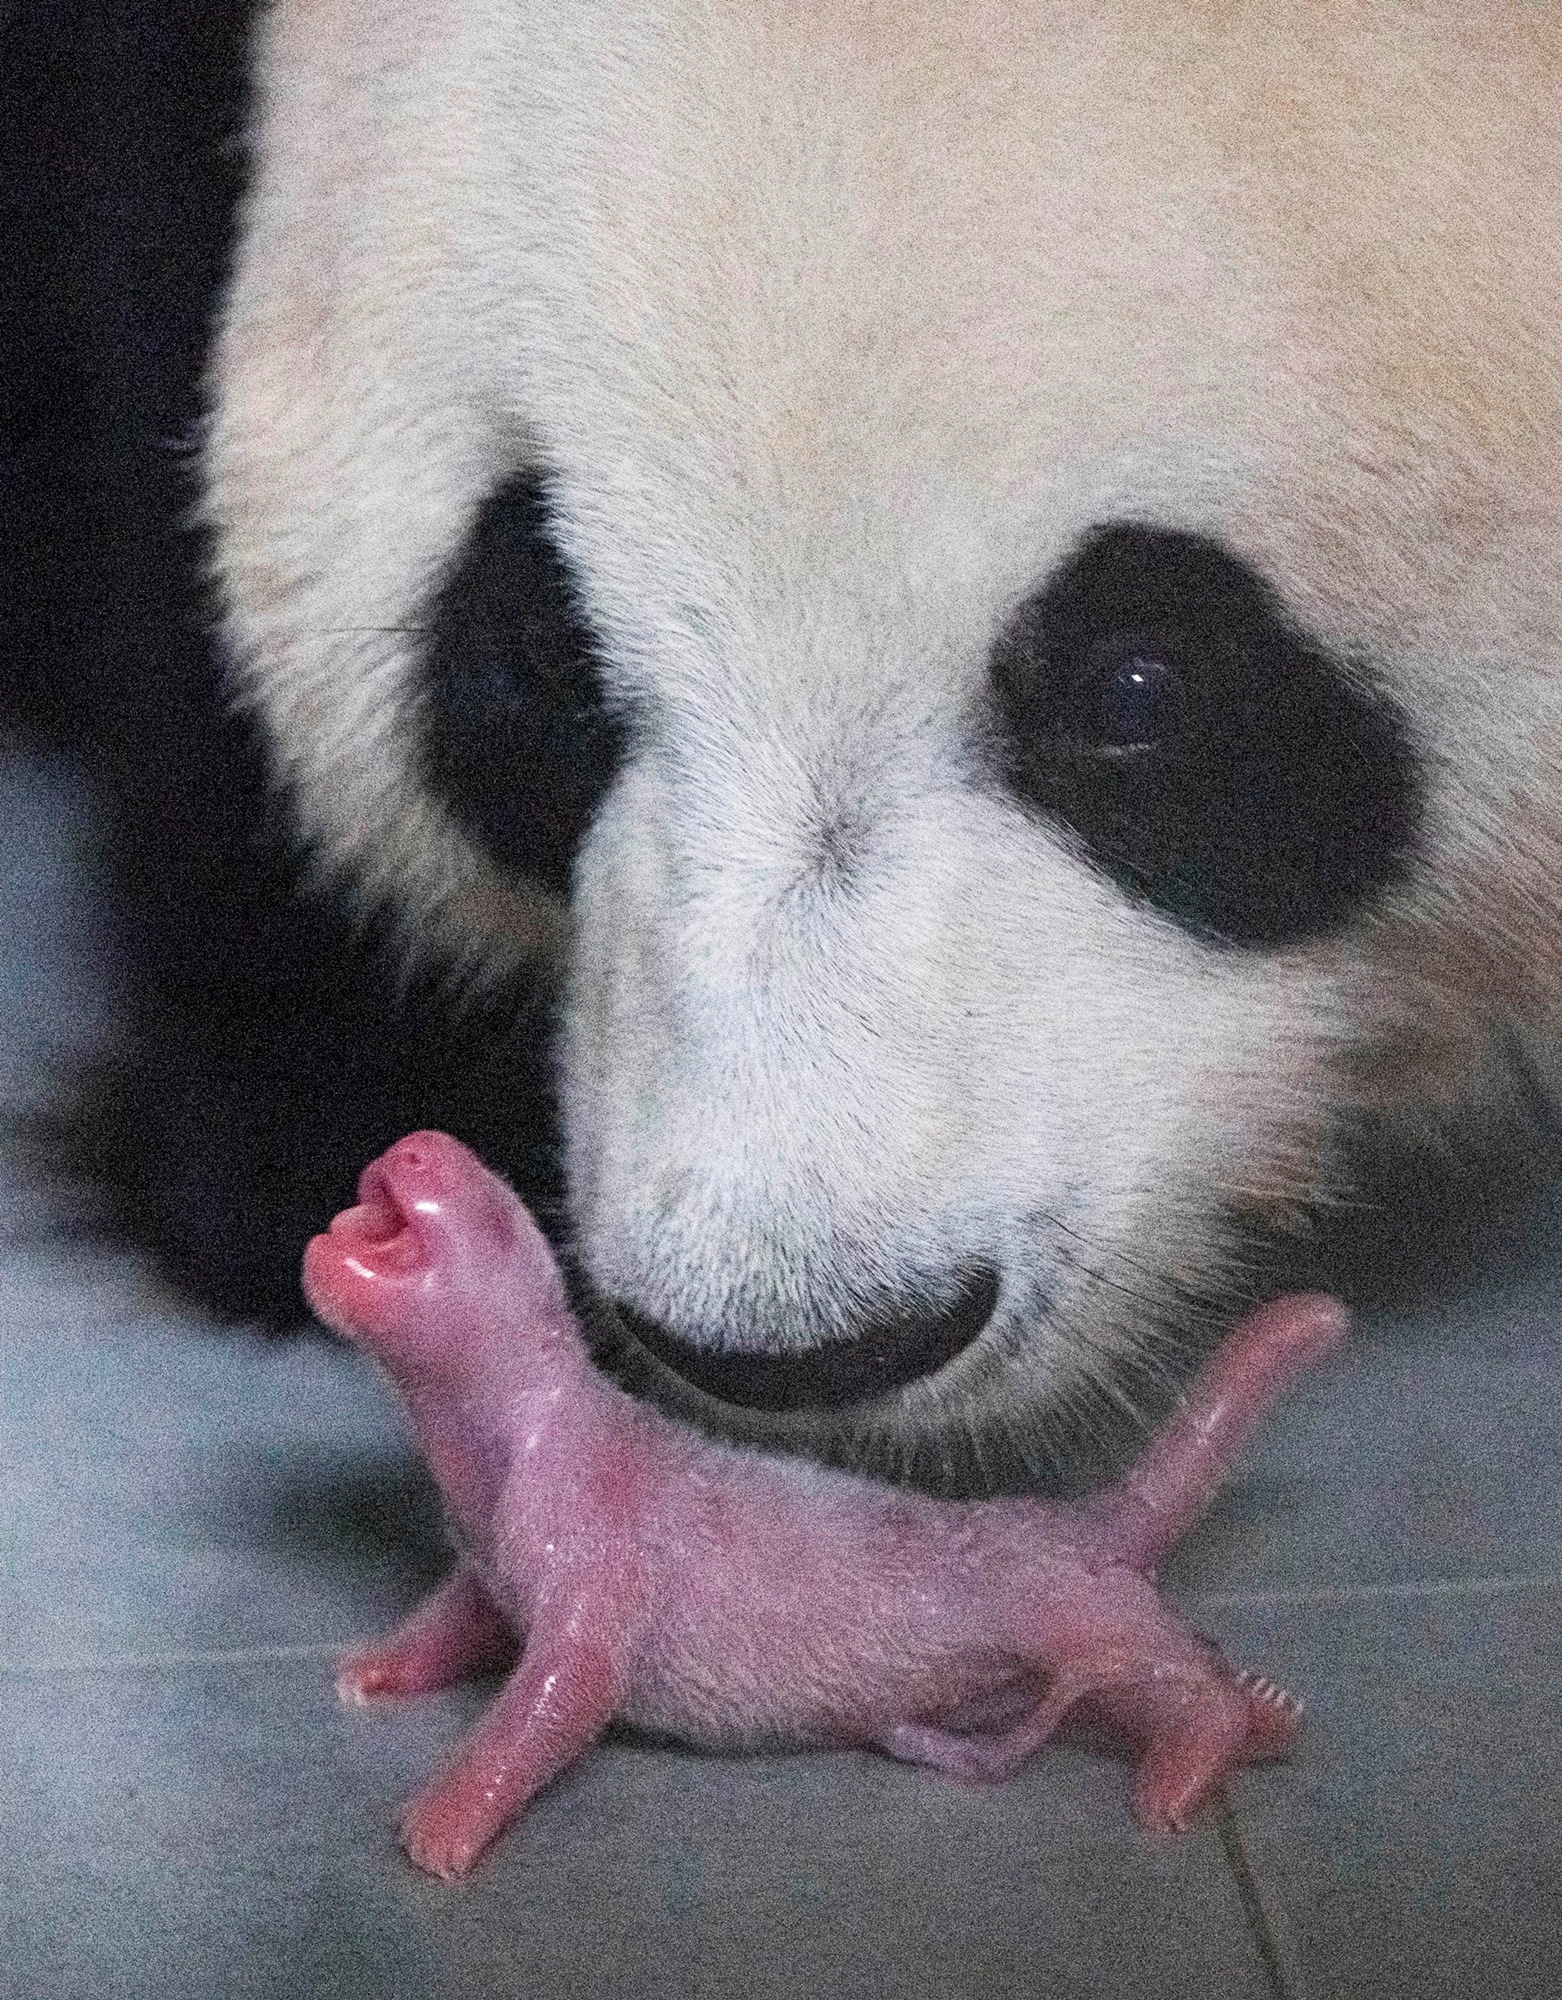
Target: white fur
x,y
834,327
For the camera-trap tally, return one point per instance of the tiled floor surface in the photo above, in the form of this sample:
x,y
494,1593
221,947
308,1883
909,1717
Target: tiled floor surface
x,y
194,1521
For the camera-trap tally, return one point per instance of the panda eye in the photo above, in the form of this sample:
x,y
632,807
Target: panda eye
x,y
1156,700
1115,697
1137,691
516,737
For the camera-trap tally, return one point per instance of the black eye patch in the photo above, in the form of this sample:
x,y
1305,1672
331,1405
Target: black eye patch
x,y
1157,699
516,739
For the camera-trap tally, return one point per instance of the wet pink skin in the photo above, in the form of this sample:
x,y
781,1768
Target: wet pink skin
x,y
624,1566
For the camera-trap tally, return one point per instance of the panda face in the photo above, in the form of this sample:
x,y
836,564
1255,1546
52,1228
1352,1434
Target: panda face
x,y
948,1009
909,1009
1023,629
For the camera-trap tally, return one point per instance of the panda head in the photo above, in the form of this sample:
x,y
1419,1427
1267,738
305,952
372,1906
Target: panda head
x,y
988,581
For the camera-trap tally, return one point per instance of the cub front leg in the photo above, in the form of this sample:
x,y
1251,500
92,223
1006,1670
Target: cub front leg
x,y
553,1707
456,1632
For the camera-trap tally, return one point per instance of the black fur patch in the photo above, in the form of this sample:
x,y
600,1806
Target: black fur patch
x,y
266,1046
1157,699
270,1045
516,738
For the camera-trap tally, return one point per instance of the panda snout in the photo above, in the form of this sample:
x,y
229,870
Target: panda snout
x,y
885,1350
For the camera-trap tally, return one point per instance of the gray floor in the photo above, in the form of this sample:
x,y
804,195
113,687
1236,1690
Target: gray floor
x,y
195,1521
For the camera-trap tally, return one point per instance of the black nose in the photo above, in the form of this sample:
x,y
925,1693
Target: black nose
x,y
888,1351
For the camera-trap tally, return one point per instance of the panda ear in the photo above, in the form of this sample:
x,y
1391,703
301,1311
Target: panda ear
x,y
515,735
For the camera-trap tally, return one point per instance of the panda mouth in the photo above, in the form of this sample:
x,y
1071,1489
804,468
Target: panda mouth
x,y
890,1354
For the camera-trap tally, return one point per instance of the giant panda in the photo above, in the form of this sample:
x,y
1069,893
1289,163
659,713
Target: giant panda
x,y
910,658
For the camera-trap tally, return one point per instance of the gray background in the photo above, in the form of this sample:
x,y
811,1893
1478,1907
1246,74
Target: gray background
x,y
195,1521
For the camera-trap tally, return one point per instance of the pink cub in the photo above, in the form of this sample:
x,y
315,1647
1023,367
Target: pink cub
x,y
643,1571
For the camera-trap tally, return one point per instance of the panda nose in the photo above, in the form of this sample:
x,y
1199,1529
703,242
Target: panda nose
x,y
886,1352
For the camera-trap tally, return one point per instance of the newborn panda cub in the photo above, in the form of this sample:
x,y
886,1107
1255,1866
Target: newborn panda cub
x,y
732,1598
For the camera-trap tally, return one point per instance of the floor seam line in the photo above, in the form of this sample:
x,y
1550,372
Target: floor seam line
x,y
1255,1909
1301,1599
194,1656
1304,1595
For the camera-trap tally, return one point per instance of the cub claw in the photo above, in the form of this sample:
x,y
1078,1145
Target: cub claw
x,y
1261,1689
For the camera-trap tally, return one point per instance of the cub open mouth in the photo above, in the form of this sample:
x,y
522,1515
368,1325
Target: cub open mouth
x,y
377,1223
889,1353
